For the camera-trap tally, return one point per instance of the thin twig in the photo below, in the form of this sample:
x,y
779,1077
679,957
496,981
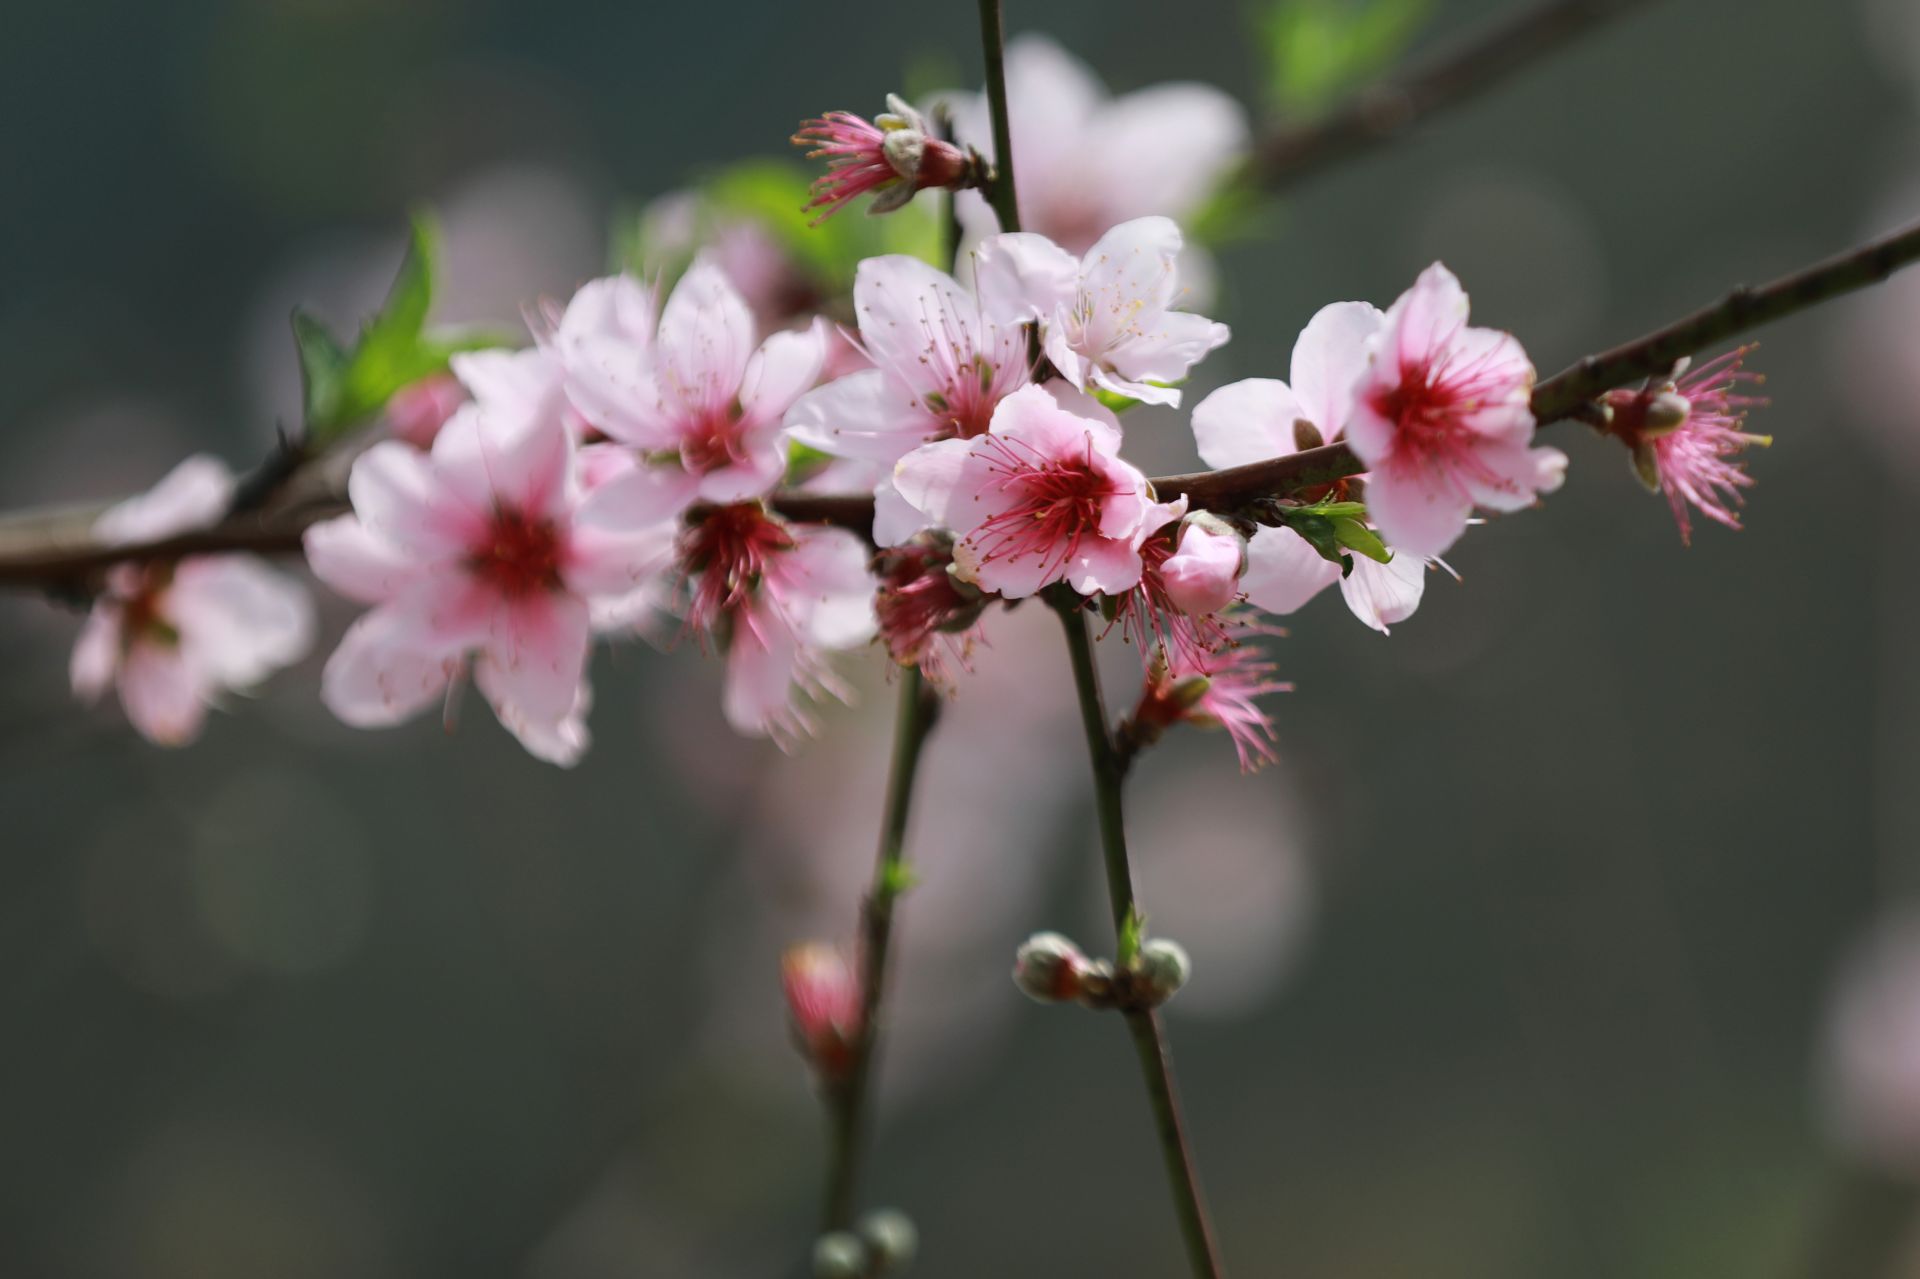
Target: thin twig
x,y
848,1101
1382,112
1150,1041
1000,191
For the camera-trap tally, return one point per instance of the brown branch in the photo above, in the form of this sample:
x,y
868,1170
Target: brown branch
x,y
56,550
1382,112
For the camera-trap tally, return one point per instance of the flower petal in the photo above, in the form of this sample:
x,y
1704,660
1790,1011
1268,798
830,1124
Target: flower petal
x,y
1283,571
1329,358
1247,421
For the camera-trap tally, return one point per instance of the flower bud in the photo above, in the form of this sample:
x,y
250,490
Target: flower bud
x,y
823,999
1667,411
1163,968
418,410
1048,968
839,1255
1203,575
891,1239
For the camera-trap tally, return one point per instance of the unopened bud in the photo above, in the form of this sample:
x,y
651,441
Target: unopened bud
x,y
1048,968
1203,574
1163,968
823,999
839,1254
891,1239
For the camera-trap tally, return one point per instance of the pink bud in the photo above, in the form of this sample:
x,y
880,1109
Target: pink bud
x,y
1203,575
823,997
418,411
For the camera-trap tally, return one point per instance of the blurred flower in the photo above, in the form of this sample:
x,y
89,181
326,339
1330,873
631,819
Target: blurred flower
x,y
823,1002
1105,319
1087,161
1442,420
487,547
175,635
1684,431
942,363
894,155
775,596
921,603
1048,968
1872,1049
1042,497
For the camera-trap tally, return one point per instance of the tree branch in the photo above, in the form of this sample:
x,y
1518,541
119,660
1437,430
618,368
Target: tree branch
x,y
1382,112
55,549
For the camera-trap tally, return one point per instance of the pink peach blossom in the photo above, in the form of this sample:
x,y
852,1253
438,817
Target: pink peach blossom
x,y
486,550
942,363
776,597
1042,497
1442,420
1213,688
894,155
824,1006
174,636
1685,432
694,394
1106,320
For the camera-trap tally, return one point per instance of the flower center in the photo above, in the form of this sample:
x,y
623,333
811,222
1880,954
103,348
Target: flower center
x,y
141,616
1058,505
520,556
717,440
726,554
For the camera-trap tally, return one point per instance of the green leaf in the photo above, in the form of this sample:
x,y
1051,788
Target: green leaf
x,y
1357,537
1113,400
323,368
804,462
896,877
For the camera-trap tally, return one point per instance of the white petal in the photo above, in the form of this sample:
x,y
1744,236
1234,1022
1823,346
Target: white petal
x,y
1283,571
1246,421
193,495
1328,360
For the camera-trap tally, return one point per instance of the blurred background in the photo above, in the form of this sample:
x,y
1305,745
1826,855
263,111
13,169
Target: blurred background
x,y
1518,964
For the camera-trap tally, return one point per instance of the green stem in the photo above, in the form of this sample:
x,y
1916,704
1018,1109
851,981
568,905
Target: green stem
x,y
847,1101
1149,1039
993,40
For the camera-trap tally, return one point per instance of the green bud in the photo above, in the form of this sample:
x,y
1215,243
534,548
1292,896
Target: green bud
x,y
891,1239
839,1254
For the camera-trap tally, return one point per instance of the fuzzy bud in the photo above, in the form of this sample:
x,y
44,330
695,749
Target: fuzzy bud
x,y
1162,968
1049,969
839,1254
891,1239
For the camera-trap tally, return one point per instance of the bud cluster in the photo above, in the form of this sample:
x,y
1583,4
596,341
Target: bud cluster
x,y
883,1243
1050,969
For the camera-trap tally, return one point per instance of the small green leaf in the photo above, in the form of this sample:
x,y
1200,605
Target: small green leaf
x,y
323,368
1132,932
1357,537
896,877
1113,400
804,462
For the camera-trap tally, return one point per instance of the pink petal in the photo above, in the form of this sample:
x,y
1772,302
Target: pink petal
x,y
539,651
605,562
382,673
1384,594
520,460
828,589
1515,476
1283,571
928,478
193,495
1104,566
1183,138
863,415
512,382
705,339
1021,276
345,555
164,698
401,500
96,653
1246,421
1329,358
784,368
640,498
1427,316
239,620
1418,508
561,740
906,309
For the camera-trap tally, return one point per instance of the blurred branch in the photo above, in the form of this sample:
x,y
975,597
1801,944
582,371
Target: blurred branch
x,y
1382,112
56,550
848,1101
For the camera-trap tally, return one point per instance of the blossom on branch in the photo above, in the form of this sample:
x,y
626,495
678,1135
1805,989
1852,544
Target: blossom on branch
x,y
823,1006
1685,432
942,363
1042,497
694,395
1106,320
1443,422
775,597
1261,418
1211,688
175,635
893,155
489,551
